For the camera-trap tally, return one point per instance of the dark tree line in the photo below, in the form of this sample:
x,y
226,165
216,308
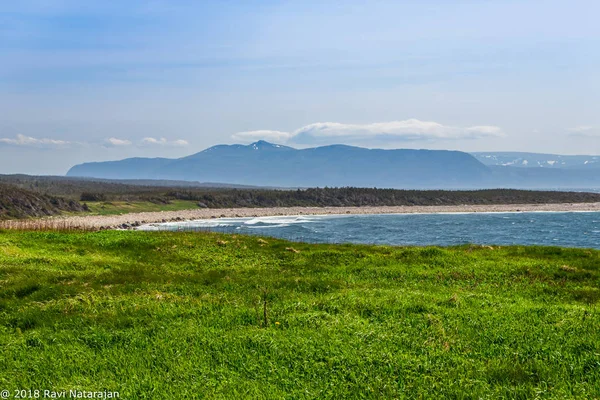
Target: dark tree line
x,y
359,197
82,190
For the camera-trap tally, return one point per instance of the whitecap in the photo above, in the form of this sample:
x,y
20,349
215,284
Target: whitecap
x,y
278,220
267,226
184,225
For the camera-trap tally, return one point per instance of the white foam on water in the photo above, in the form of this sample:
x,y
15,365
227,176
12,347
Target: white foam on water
x,y
268,226
203,224
247,222
280,220
147,228
214,223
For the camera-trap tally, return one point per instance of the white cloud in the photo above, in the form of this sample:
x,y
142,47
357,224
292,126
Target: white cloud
x,y
28,141
482,131
379,132
147,141
118,142
164,142
251,136
584,131
180,143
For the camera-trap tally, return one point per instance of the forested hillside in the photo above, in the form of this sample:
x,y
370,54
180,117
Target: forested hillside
x,y
20,203
31,196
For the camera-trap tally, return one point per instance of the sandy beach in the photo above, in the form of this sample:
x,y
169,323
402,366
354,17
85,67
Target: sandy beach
x,y
132,220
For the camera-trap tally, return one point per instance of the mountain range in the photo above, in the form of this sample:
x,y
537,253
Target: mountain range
x,y
267,164
535,160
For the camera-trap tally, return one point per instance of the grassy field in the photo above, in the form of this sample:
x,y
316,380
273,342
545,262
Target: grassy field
x,y
183,315
124,207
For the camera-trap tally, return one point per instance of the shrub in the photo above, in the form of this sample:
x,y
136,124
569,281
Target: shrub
x,y
90,196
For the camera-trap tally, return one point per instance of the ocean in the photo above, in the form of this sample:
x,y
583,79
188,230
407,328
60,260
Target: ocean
x,y
568,229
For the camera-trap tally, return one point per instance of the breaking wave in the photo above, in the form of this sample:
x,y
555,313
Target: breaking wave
x,y
577,229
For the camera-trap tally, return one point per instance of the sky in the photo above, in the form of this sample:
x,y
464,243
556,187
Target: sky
x,y
104,80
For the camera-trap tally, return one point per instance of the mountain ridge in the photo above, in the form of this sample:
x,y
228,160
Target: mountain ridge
x,y
537,160
266,164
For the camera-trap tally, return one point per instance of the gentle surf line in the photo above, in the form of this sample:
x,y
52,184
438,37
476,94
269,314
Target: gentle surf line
x,y
133,220
568,229
222,222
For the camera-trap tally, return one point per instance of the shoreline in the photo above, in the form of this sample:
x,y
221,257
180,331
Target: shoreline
x,y
133,220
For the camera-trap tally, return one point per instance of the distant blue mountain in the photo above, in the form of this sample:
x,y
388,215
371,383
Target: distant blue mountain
x,y
130,168
536,160
266,164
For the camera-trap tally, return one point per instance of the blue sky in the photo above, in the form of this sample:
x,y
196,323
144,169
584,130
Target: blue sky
x,y
97,80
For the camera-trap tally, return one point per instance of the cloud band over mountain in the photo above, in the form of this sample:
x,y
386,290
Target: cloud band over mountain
x,y
149,141
379,132
28,141
145,142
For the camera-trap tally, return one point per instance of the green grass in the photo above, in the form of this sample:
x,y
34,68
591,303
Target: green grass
x,y
124,207
181,315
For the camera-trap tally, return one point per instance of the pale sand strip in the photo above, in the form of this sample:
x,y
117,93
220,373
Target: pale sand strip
x,y
135,219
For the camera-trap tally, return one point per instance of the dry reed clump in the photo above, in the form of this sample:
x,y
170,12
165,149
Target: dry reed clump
x,y
45,225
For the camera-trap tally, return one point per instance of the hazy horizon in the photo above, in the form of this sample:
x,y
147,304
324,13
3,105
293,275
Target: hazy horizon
x,y
101,81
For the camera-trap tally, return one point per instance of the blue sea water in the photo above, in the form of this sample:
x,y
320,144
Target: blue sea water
x,y
569,229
